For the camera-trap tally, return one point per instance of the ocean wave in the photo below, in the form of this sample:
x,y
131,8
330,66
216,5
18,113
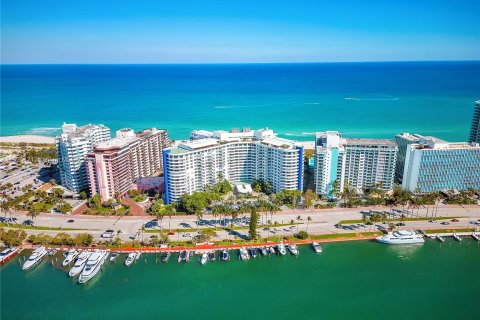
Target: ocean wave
x,y
387,98
307,103
41,131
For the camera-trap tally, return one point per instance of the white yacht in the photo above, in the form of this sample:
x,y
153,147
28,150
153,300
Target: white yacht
x,y
37,256
401,237
244,254
71,255
292,247
204,258
131,258
316,247
80,263
93,265
7,254
281,249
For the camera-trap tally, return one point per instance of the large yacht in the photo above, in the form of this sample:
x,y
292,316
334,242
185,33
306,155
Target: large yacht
x,y
93,265
401,237
37,256
80,263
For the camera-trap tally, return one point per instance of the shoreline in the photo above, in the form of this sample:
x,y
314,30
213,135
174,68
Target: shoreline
x,y
27,138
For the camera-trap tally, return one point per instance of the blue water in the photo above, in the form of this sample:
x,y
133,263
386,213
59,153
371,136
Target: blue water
x,y
358,99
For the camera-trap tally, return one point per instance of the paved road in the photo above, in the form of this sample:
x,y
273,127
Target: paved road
x,y
322,222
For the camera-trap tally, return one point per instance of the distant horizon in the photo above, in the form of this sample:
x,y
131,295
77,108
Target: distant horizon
x,y
238,63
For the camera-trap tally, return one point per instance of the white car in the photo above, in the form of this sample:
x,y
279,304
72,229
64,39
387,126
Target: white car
x,y
108,234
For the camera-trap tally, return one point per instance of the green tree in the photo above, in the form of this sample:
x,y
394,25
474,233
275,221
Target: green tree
x,y
308,222
308,197
83,195
252,229
83,239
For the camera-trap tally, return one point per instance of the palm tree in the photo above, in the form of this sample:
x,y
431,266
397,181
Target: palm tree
x,y
33,212
308,221
5,207
169,211
298,221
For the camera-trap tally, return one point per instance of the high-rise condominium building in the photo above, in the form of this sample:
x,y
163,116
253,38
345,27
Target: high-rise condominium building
x,y
433,164
238,156
403,140
360,162
113,165
73,144
475,130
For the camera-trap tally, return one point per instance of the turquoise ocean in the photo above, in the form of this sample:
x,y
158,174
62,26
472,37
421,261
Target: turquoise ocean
x,y
358,99
356,280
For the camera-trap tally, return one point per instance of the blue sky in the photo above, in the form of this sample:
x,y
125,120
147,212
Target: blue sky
x,y
212,31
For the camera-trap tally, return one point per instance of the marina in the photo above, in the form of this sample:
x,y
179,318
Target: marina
x,y
331,272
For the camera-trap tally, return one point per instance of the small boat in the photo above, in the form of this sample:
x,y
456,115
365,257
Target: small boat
x,y
204,258
79,264
138,254
281,249
253,252
225,256
271,250
292,247
316,247
93,265
7,254
263,251
130,258
184,256
164,257
114,256
243,254
52,252
211,256
71,255
35,258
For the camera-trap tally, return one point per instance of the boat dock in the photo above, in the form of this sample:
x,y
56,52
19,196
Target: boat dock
x,y
456,235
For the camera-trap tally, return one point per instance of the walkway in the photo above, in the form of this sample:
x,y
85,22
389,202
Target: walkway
x,y
135,208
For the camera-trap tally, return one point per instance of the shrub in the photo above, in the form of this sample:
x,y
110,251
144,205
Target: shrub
x,y
302,235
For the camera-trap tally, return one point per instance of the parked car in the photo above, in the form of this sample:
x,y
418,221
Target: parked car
x,y
400,224
108,234
70,221
445,222
455,220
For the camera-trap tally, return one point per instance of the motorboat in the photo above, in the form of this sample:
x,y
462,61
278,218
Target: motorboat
x,y
316,247
211,256
114,256
52,252
71,255
401,237
263,251
253,252
281,249
271,250
131,258
184,256
7,254
225,256
292,247
80,263
204,258
243,253
93,265
35,258
164,257
138,255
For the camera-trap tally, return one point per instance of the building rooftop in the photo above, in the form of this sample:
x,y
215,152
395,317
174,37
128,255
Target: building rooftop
x,y
370,142
115,143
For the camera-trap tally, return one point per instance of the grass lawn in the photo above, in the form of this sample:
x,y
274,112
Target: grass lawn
x,y
16,226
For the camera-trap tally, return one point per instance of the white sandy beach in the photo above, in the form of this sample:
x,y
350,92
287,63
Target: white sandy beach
x,y
27,139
